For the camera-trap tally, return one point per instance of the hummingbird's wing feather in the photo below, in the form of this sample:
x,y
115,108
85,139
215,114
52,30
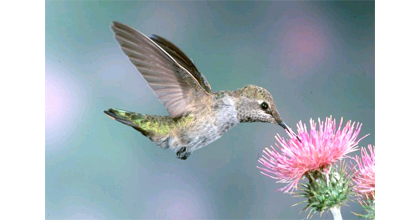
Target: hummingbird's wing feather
x,y
175,87
182,59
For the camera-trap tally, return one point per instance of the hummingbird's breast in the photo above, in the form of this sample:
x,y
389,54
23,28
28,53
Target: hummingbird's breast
x,y
209,124
223,117
226,115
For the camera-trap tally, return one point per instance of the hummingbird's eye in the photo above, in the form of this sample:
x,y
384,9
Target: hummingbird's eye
x,y
264,105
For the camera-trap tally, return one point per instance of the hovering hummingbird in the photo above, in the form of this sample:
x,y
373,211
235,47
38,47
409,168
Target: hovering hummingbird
x,y
197,116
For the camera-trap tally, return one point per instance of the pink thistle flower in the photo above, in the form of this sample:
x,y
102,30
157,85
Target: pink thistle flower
x,y
364,177
316,150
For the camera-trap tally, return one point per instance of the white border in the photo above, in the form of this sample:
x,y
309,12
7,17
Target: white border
x,y
23,110
397,104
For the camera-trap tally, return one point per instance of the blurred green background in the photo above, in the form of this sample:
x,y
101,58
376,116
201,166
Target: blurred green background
x,y
316,58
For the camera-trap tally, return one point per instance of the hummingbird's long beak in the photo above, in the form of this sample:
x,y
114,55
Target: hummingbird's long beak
x,y
283,125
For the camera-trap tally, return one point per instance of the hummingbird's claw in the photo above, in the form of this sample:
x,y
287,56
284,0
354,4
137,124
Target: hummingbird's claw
x,y
182,153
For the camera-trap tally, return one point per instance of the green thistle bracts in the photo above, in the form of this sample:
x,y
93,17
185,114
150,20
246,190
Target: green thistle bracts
x,y
368,205
324,190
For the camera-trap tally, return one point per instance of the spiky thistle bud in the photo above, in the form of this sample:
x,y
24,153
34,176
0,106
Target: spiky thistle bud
x,y
325,189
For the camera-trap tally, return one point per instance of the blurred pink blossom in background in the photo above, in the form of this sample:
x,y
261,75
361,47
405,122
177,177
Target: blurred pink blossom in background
x,y
364,177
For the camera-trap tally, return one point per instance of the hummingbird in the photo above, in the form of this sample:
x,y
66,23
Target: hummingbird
x,y
197,116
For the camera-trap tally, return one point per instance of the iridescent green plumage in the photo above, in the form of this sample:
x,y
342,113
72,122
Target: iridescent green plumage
x,y
152,126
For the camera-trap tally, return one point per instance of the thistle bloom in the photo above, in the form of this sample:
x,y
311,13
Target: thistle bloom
x,y
364,177
317,150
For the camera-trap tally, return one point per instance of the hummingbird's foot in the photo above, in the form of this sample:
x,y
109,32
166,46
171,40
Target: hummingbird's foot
x,y
182,153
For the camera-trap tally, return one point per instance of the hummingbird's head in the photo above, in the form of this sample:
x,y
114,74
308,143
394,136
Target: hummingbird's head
x,y
256,104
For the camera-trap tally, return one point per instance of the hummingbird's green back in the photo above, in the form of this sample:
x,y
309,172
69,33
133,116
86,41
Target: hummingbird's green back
x,y
153,126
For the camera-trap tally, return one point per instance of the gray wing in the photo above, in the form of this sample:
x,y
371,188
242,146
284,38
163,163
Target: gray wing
x,y
172,83
182,59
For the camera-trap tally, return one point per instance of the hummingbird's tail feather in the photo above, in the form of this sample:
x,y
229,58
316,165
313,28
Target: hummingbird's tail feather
x,y
119,115
127,118
156,128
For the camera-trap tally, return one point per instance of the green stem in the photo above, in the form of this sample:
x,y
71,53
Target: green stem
x,y
335,211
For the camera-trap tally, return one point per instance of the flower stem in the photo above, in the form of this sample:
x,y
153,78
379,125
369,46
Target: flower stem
x,y
335,211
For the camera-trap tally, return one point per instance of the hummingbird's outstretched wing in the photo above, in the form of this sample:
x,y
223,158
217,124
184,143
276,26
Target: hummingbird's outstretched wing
x,y
173,84
182,59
